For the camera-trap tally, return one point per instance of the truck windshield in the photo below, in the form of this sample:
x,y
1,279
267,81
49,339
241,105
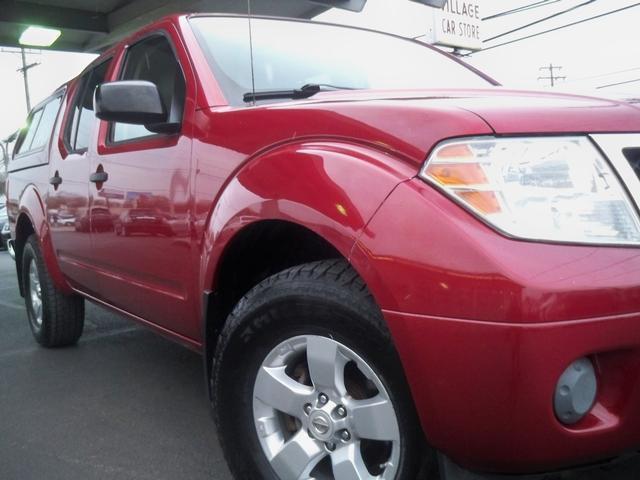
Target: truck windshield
x,y
291,54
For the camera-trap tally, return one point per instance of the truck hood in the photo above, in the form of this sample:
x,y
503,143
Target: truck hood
x,y
408,123
518,111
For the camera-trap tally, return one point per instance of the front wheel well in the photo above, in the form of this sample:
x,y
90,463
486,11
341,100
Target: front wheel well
x,y
257,252
263,249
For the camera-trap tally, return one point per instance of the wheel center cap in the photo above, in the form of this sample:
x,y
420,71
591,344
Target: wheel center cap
x,y
321,425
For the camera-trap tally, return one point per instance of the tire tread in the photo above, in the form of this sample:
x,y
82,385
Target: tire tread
x,y
63,314
334,281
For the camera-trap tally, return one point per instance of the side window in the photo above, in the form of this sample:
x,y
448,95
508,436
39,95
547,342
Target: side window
x,y
40,127
47,122
34,121
153,60
78,132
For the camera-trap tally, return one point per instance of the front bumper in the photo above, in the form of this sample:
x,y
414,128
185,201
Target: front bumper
x,y
484,391
485,326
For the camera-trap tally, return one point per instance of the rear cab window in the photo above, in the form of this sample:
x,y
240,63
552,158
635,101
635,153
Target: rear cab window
x,y
34,140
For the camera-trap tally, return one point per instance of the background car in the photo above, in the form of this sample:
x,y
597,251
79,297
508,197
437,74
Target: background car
x,y
4,226
144,221
66,219
97,219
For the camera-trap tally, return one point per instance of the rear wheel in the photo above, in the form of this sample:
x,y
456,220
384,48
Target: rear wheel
x,y
307,381
56,319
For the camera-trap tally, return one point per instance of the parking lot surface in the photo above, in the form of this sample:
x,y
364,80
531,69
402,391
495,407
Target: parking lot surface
x,y
123,404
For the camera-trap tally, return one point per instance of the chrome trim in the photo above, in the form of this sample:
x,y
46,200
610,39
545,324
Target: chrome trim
x,y
612,145
11,249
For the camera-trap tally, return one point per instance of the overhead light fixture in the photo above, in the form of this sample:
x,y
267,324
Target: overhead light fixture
x,y
39,36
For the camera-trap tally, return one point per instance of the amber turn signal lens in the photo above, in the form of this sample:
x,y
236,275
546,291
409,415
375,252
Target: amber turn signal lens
x,y
484,202
454,167
457,175
455,152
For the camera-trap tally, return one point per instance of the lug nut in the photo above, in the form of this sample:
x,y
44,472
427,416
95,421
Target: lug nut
x,y
307,408
341,411
330,446
345,435
323,399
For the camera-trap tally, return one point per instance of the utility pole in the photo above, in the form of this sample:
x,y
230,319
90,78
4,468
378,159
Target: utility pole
x,y
23,71
552,77
25,68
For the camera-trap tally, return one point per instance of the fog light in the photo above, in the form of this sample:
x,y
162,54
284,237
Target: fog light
x,y
576,392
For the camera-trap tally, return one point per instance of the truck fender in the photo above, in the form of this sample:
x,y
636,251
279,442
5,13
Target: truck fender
x,y
331,188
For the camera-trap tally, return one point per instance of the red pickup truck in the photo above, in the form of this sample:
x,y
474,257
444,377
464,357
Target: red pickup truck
x,y
384,258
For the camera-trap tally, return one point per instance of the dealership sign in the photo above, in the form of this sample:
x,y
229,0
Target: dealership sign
x,y
458,25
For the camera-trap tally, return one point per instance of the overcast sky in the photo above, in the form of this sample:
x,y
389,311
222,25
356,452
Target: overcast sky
x,y
602,46
593,49
55,69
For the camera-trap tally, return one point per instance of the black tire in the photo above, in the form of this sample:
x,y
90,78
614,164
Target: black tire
x,y
325,298
62,316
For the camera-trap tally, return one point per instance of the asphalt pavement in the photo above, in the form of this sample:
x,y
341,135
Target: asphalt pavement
x,y
122,404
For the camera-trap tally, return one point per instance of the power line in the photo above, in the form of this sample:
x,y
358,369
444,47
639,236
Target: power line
x,y
601,75
542,3
560,27
552,76
619,83
557,14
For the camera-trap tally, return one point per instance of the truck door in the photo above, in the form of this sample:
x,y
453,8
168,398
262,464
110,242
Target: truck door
x,y
145,260
68,207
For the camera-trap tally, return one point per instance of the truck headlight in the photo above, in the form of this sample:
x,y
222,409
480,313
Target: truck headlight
x,y
558,189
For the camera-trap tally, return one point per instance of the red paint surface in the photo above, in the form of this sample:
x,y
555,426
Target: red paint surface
x,y
484,390
484,324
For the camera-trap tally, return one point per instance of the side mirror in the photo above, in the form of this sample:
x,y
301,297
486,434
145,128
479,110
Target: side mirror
x,y
129,101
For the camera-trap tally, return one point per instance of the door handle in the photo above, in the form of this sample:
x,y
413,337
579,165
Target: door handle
x,y
99,177
56,180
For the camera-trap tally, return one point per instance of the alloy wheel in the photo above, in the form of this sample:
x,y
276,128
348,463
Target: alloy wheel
x,y
322,413
35,294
